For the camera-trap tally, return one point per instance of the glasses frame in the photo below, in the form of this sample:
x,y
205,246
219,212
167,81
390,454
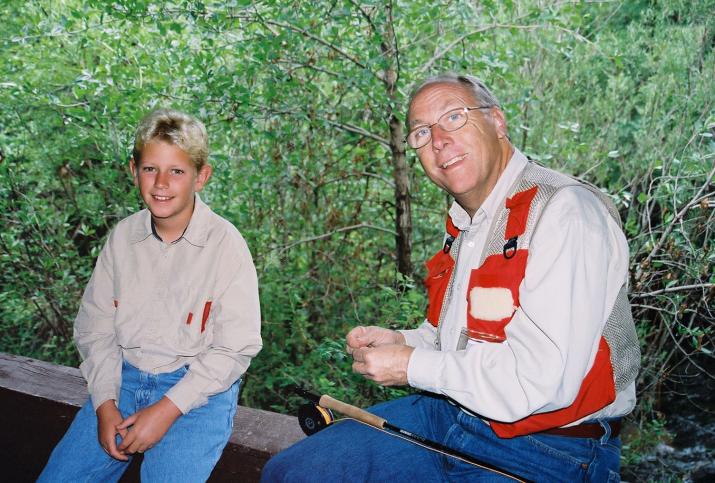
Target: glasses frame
x,y
464,109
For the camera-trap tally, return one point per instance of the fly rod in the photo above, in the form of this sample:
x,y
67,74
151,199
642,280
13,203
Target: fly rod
x,y
317,418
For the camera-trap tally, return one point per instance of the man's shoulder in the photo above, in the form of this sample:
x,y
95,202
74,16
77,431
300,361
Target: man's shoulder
x,y
570,194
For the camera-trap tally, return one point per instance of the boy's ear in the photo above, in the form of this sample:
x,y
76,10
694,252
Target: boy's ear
x,y
202,177
133,169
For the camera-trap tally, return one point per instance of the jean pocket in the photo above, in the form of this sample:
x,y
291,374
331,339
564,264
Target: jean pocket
x,y
573,451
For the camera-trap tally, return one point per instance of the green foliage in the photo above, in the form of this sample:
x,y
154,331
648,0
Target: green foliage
x,y
297,102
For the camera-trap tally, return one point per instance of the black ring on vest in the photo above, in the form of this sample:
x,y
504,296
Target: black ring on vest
x,y
510,247
448,244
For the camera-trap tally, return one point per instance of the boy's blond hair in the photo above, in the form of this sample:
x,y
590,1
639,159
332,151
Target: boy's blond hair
x,y
176,128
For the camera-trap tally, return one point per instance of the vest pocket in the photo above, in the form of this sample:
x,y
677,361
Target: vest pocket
x,y
439,273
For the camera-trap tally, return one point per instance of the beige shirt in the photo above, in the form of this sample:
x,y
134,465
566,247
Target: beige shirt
x,y
161,306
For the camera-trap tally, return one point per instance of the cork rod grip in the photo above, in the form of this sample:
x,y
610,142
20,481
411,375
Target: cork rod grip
x,y
351,411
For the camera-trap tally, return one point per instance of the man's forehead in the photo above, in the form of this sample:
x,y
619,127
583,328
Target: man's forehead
x,y
436,99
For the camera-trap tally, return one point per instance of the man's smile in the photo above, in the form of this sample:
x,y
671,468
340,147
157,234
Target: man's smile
x,y
453,160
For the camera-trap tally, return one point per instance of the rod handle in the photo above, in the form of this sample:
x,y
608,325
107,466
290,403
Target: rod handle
x,y
352,411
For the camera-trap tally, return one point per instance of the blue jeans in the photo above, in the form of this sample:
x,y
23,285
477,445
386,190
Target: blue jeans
x,y
350,451
187,452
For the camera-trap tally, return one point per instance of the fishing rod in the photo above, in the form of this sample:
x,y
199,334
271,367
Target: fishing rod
x,y
317,415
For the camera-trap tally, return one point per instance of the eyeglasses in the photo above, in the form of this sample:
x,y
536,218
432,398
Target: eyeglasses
x,y
449,121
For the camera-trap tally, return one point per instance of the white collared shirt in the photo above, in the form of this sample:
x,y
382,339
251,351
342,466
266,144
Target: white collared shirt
x,y
578,261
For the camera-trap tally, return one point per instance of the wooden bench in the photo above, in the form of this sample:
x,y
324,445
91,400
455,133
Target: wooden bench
x,y
38,401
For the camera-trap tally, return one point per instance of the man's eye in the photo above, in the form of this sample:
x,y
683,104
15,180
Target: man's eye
x,y
421,132
455,116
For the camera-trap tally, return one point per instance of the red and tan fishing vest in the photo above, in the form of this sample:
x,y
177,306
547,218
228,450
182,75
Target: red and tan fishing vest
x,y
493,298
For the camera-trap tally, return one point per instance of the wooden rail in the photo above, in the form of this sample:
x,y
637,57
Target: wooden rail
x,y
38,401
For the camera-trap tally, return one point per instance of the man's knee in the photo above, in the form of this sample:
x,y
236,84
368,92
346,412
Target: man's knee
x,y
276,469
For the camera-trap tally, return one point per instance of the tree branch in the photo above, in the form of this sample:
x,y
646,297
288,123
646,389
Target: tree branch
x,y
331,233
672,289
358,130
663,237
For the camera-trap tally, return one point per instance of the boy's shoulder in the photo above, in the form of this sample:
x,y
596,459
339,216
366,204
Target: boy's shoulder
x,y
134,227
206,226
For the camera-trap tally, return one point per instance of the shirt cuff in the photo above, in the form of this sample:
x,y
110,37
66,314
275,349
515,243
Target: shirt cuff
x,y
411,338
424,369
186,397
103,395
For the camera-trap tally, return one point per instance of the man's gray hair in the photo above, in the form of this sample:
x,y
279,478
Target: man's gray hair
x,y
173,127
474,85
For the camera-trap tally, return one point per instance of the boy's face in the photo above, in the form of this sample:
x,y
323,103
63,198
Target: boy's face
x,y
167,181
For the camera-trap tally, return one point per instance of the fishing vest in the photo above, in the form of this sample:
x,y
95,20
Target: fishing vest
x,y
493,298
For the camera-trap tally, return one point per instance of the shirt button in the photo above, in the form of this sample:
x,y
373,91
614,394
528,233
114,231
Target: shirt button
x,y
470,244
139,353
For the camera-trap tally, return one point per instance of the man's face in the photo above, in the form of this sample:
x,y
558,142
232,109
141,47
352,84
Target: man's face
x,y
467,162
167,181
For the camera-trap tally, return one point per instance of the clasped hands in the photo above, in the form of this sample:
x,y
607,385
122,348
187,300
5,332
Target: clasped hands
x,y
379,354
139,432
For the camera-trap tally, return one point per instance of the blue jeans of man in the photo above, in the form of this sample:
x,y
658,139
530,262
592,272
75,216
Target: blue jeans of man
x,y
351,451
187,453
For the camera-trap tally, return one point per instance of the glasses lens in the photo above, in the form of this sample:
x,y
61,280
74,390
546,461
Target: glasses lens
x,y
453,120
418,137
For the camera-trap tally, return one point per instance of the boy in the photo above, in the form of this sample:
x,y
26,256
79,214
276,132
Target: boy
x,y
168,323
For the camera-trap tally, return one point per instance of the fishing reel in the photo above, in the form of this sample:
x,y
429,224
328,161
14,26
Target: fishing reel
x,y
312,418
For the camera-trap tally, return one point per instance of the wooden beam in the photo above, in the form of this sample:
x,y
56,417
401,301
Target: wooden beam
x,y
38,401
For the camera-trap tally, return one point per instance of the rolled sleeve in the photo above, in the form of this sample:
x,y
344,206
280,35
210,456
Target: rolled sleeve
x,y
424,336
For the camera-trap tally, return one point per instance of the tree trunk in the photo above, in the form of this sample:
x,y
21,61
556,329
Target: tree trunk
x,y
400,171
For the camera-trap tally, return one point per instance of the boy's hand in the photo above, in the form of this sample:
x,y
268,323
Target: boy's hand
x,y
372,336
108,417
146,427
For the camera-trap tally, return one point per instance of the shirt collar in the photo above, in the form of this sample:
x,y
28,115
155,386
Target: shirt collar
x,y
495,200
195,233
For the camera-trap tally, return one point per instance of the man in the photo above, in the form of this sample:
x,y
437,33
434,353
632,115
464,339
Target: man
x,y
528,356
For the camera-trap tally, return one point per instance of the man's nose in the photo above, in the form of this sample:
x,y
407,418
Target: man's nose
x,y
440,137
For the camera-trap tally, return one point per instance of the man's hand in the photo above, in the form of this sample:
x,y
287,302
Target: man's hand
x,y
146,427
386,364
108,417
372,336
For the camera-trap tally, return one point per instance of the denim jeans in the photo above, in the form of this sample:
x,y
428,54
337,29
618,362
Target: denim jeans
x,y
187,452
351,451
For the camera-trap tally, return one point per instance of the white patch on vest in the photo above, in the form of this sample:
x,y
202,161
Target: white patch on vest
x,y
491,303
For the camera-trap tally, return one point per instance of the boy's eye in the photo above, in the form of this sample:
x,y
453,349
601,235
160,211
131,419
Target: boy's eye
x,y
147,169
177,171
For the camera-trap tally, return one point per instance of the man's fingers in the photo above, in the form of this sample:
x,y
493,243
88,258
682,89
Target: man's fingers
x,y
355,337
359,354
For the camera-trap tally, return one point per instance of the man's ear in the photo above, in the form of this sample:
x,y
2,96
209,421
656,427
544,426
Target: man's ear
x,y
500,123
202,177
133,169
